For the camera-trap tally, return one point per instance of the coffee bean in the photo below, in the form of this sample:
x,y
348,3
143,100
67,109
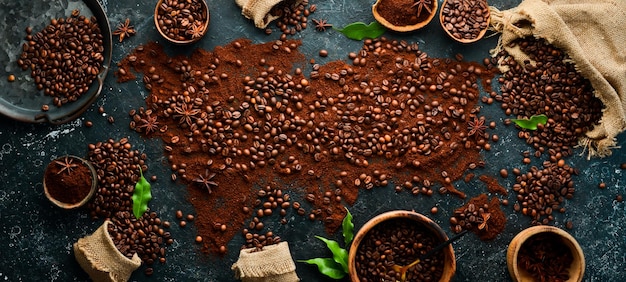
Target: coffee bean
x,y
323,53
11,78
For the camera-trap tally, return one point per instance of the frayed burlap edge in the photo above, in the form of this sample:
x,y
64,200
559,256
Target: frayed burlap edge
x,y
107,265
519,22
259,10
272,263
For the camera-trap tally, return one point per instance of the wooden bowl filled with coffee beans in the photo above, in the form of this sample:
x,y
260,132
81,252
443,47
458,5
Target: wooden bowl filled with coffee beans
x,y
465,21
404,15
392,247
182,21
545,253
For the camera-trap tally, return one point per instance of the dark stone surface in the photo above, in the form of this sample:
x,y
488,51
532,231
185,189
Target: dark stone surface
x,y
36,237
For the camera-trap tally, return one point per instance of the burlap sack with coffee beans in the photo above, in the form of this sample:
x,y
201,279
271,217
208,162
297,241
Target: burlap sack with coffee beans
x,y
98,256
271,264
259,10
591,33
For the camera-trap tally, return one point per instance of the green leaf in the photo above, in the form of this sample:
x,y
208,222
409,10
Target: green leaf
x,y
531,124
360,30
340,255
328,267
141,196
348,228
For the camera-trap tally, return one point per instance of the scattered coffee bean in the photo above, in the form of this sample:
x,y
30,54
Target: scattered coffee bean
x,y
11,78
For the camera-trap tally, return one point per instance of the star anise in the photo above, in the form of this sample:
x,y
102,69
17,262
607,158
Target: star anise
x,y
321,24
149,124
206,180
124,30
66,165
483,225
186,114
196,30
476,127
422,4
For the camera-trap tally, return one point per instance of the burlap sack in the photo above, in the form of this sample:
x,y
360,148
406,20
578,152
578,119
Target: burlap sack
x,y
591,32
259,10
272,264
99,257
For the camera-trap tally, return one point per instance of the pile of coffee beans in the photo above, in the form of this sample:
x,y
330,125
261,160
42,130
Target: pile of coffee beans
x,y
65,57
144,237
293,16
465,19
541,192
269,200
545,257
470,217
550,85
118,168
182,20
398,242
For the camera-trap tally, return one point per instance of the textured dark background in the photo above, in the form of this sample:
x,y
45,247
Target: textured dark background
x,y
36,237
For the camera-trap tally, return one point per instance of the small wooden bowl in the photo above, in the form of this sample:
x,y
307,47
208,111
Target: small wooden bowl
x,y
449,263
576,270
182,42
404,28
92,189
480,35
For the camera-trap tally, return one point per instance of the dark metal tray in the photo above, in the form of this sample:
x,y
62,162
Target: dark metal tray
x,y
20,99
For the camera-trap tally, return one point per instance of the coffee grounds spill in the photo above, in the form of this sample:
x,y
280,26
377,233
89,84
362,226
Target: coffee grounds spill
x,y
242,119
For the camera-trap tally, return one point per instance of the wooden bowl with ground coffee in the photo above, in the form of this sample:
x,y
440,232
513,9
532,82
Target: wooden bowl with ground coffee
x,y
69,182
404,15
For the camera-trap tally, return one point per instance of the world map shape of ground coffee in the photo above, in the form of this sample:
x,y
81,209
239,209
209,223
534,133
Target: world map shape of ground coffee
x,y
234,125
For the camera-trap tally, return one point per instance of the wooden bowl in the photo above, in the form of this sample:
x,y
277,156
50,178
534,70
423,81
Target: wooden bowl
x,y
92,188
480,35
404,28
205,8
576,270
449,261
